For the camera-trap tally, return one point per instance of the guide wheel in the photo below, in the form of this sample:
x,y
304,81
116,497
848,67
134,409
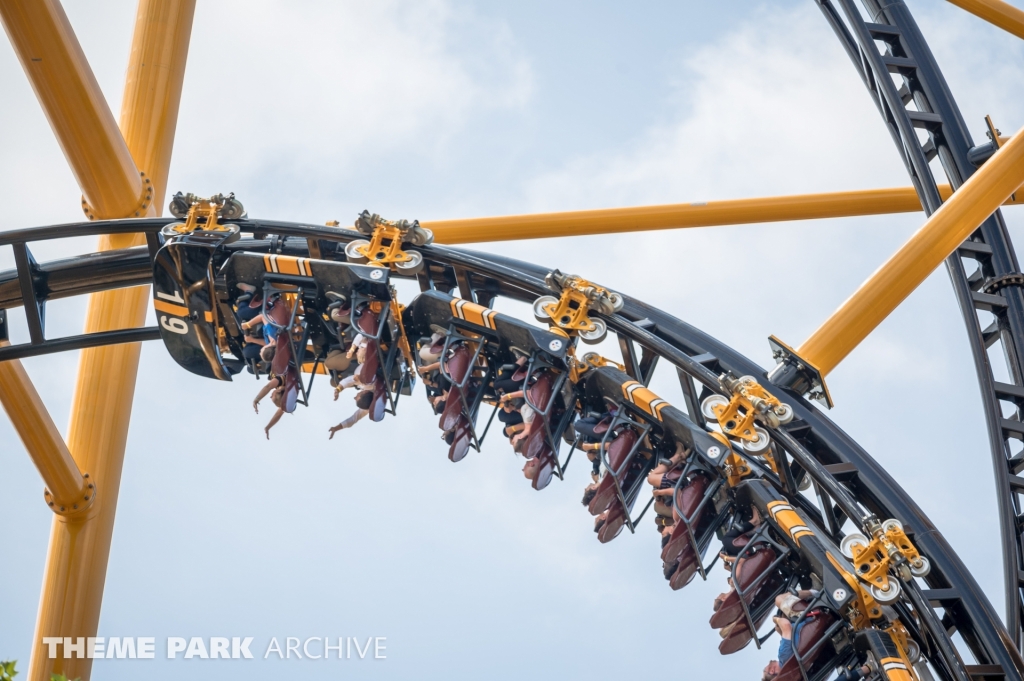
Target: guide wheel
x,y
761,444
355,256
709,403
851,540
595,335
414,265
538,308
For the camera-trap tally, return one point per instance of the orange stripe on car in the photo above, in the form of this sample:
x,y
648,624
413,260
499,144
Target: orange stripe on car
x,y
789,520
644,397
473,313
895,669
285,264
170,308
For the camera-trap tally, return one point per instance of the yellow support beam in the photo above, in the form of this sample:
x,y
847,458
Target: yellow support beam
x,y
72,100
997,12
939,237
79,547
111,185
68,492
152,91
681,215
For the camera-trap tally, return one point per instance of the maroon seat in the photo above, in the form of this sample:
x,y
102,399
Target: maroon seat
x,y
680,568
811,633
604,495
282,355
687,500
536,441
545,469
748,571
279,312
684,569
457,366
452,413
368,369
461,442
540,396
618,449
613,524
367,324
540,469
741,635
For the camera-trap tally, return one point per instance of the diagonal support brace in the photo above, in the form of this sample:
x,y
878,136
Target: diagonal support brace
x,y
945,230
69,492
997,13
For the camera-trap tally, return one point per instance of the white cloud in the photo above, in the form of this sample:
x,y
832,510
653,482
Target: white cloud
x,y
758,114
315,90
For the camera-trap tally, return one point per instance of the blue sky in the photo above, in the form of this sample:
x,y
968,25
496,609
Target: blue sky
x,y
317,110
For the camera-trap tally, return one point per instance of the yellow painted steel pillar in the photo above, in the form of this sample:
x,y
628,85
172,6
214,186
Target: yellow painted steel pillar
x,y
940,236
73,102
74,105
681,215
152,93
997,12
68,492
79,547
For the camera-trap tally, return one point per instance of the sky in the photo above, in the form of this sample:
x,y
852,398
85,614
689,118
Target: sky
x,y
313,111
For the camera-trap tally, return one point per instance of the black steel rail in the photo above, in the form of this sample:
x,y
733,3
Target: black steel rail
x,y
32,284
901,74
88,340
839,467
966,608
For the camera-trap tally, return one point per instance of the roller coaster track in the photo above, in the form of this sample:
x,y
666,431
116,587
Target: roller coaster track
x,y
904,81
893,59
847,481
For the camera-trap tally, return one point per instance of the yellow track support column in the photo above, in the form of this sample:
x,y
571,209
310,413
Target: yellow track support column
x,y
997,12
100,160
114,187
68,492
152,90
940,236
73,102
681,215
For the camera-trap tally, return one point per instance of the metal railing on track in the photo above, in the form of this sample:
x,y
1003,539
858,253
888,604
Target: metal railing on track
x,y
905,82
